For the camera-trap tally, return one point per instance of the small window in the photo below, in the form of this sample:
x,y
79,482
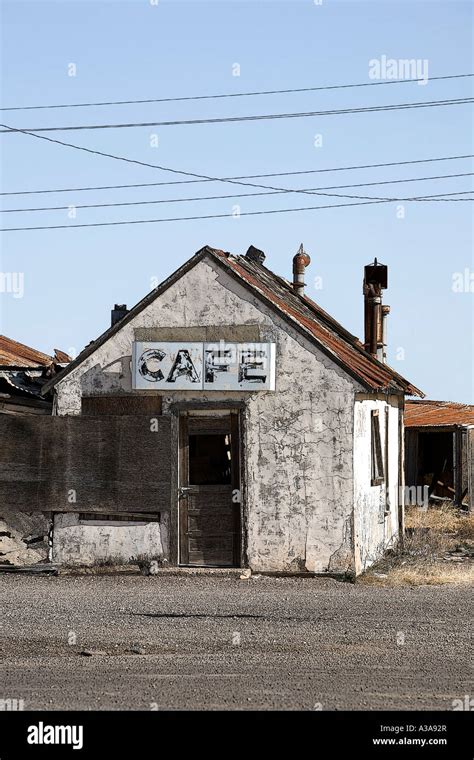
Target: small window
x,y
209,459
377,476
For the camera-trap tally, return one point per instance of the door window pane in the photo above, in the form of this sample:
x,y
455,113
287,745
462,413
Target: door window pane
x,y
209,459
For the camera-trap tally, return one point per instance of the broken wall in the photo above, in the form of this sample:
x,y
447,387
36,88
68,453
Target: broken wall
x,y
79,542
23,537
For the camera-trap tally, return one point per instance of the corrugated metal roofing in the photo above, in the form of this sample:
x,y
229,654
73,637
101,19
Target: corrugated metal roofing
x,y
438,414
24,381
61,356
14,354
332,336
19,355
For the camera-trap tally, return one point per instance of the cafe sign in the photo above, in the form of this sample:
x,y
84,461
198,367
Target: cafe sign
x,y
220,366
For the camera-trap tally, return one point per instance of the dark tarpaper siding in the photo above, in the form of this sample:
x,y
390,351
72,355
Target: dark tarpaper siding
x,y
70,464
92,406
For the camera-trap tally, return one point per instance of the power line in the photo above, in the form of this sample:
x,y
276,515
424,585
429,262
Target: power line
x,y
259,117
208,216
230,95
312,190
248,176
168,169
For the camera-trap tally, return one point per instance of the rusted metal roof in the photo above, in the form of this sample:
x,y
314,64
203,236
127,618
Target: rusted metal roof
x,y
14,354
23,380
429,413
19,355
303,313
332,336
61,356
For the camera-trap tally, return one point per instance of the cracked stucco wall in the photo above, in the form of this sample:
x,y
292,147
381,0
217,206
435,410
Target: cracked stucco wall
x,y
375,507
298,447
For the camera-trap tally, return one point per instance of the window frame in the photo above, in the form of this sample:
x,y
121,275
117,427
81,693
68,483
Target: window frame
x,y
377,465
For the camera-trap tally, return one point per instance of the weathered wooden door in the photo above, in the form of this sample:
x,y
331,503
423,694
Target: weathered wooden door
x,y
209,491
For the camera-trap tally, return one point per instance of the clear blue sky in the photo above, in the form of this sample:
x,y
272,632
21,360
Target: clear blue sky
x,y
131,50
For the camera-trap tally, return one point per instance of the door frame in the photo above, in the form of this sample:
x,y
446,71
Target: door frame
x,y
182,410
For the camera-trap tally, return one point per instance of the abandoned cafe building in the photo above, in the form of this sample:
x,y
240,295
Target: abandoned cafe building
x,y
226,420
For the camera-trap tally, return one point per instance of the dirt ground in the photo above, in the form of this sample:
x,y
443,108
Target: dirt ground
x,y
134,642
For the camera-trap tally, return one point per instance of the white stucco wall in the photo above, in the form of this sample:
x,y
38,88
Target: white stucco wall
x,y
86,543
375,529
298,445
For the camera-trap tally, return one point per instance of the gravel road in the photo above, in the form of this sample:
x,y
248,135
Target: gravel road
x,y
220,642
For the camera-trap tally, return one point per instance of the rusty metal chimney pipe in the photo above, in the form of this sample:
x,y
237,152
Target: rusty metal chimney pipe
x,y
385,313
300,261
375,281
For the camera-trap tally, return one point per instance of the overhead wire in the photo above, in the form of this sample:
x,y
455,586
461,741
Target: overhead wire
x,y
234,94
193,218
244,176
187,173
256,117
312,190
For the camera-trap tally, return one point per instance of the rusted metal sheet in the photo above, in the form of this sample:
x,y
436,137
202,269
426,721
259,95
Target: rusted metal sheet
x,y
14,354
438,414
346,348
61,357
19,355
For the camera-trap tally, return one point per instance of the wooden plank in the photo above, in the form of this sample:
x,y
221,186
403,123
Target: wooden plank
x,y
411,457
235,439
457,467
208,334
464,462
174,506
207,559
209,426
205,523
183,406
183,482
470,467
220,546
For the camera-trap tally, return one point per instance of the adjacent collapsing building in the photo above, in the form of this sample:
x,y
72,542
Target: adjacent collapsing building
x,y
23,372
440,452
225,420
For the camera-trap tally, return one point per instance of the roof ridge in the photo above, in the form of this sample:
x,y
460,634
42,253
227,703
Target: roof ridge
x,y
435,401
